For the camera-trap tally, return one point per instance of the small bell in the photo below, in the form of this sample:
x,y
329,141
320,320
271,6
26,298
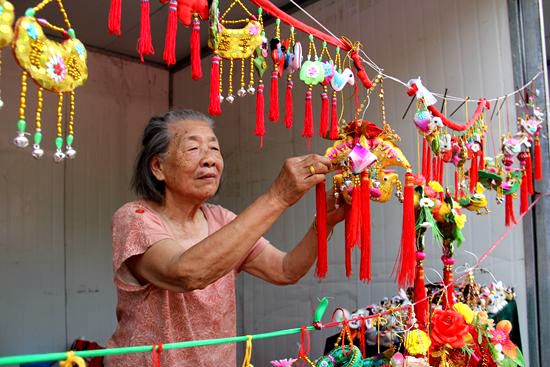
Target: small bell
x,y
1,103
241,92
21,140
221,98
58,156
70,152
37,152
251,90
230,98
376,184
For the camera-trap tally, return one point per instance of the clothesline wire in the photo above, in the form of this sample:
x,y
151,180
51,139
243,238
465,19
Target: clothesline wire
x,y
33,358
366,59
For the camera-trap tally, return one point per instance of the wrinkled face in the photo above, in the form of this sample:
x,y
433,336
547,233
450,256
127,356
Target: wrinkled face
x,y
193,165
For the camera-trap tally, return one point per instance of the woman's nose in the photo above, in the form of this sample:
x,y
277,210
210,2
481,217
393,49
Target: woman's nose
x,y
208,160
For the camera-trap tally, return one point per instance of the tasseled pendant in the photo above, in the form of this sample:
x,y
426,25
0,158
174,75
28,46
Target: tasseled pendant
x,y
307,132
355,214
334,118
457,188
274,97
538,160
428,163
288,103
509,210
448,280
260,123
482,156
169,55
524,193
145,44
196,67
365,265
529,173
404,267
321,223
323,126
420,300
424,160
473,174
115,15
214,107
435,168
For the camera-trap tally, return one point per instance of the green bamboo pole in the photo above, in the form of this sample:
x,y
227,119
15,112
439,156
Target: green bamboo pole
x,y
34,358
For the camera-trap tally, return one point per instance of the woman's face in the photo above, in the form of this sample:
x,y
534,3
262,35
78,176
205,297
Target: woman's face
x,y
193,164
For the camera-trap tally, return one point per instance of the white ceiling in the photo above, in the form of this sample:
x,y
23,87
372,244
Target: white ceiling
x,y
89,19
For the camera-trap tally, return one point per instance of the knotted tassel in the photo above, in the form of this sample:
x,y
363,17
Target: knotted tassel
x,y
448,280
274,97
420,300
115,15
529,173
145,44
169,55
260,123
214,108
473,174
323,126
457,188
347,249
321,223
288,103
307,132
365,265
482,156
435,168
509,211
362,337
334,118
404,267
428,164
538,160
196,67
355,214
424,160
524,194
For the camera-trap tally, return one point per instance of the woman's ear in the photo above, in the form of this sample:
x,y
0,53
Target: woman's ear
x,y
157,167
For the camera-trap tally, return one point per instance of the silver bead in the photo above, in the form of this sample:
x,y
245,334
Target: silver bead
x,y
58,156
70,152
37,152
221,98
230,98
376,184
241,92
21,140
251,90
1,103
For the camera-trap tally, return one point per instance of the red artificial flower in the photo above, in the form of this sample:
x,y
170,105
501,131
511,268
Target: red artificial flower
x,y
449,327
501,335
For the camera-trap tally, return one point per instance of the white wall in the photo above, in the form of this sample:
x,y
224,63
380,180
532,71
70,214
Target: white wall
x,y
55,219
462,45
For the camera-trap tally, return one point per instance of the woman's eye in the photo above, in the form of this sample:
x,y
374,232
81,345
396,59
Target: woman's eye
x,y
215,148
192,148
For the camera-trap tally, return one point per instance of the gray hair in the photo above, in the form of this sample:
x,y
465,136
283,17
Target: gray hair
x,y
155,142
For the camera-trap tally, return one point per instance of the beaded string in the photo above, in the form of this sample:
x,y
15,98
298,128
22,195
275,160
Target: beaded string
x,y
37,153
61,8
235,2
59,128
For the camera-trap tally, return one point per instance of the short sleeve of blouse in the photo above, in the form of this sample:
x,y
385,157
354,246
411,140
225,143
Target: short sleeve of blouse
x,y
135,229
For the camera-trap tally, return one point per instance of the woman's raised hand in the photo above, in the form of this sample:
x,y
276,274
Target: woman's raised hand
x,y
297,176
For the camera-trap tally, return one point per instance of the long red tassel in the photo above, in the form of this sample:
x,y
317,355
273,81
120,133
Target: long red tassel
x,y
145,44
274,97
441,176
448,280
428,164
405,263
509,212
424,159
473,174
323,126
524,194
155,355
538,160
457,188
214,107
288,103
420,307
348,234
169,55
115,15
529,173
321,222
334,118
196,67
307,132
260,122
482,156
435,168
362,338
366,241
355,216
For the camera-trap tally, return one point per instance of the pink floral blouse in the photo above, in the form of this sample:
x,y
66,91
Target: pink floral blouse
x,y
149,315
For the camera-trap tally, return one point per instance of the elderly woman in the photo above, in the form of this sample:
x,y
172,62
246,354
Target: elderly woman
x,y
176,257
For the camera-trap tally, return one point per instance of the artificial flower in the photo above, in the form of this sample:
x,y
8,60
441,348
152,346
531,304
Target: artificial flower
x,y
465,311
484,320
417,342
449,327
416,362
501,336
283,362
56,68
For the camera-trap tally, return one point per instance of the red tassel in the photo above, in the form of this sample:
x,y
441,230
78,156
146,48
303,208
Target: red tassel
x,y
420,303
196,67
365,265
145,44
348,234
115,15
214,108
155,355
529,174
448,280
441,176
321,222
524,194
334,118
307,132
260,125
405,263
509,213
323,126
288,103
169,55
457,188
424,159
355,215
538,160
362,338
428,164
473,174
435,169
274,97
482,156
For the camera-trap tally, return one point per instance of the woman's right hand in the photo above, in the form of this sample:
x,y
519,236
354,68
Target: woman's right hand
x,y
297,176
